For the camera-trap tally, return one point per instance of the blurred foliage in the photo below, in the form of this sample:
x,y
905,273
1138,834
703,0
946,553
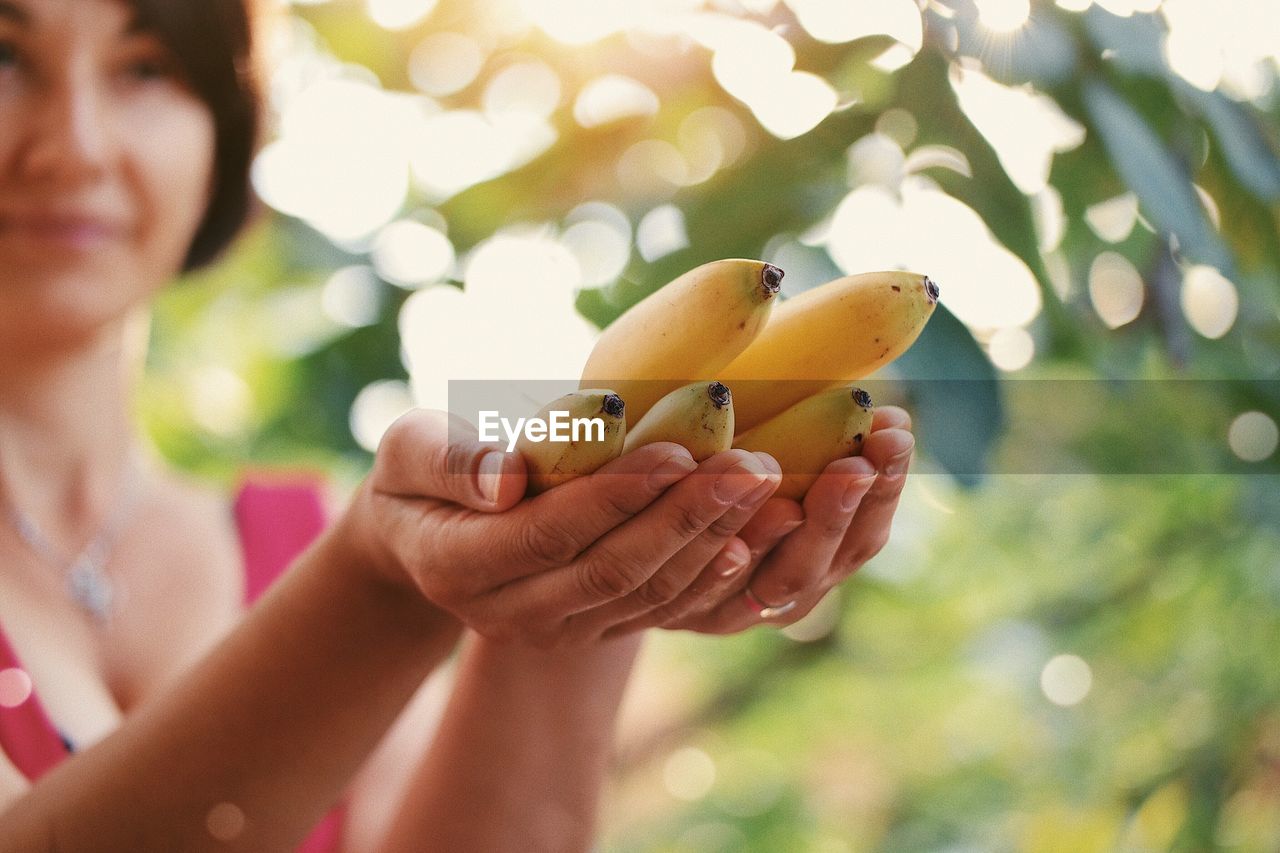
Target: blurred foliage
x,y
919,718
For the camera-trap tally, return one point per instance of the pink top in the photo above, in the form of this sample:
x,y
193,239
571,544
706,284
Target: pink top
x,y
276,520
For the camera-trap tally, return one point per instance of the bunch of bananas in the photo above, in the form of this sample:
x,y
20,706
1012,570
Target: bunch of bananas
x,y
789,366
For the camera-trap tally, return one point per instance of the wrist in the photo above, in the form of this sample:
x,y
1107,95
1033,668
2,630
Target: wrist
x,y
370,554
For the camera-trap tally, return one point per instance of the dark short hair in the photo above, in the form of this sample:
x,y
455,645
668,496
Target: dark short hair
x,y
212,41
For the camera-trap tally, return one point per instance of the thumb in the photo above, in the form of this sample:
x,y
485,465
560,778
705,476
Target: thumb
x,y
434,454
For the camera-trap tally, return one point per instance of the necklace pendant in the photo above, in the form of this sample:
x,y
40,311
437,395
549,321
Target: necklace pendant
x,y
91,589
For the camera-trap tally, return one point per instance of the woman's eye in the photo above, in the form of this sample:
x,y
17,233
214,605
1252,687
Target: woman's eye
x,y
8,54
147,69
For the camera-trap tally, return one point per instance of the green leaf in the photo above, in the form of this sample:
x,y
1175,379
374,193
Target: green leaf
x,y
1153,173
1248,152
954,396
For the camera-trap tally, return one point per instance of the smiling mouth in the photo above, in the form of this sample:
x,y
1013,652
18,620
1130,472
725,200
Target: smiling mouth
x,y
75,233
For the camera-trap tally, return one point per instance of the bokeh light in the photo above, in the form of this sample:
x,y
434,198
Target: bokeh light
x,y
225,822
352,296
1209,301
1253,436
15,687
1066,680
399,14
1011,348
444,63
689,773
1115,289
612,97
375,408
411,254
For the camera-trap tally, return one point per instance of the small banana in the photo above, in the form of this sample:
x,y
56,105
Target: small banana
x,y
698,416
689,328
550,463
836,332
819,429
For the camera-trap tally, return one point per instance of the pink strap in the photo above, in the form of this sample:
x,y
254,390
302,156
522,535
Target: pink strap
x,y
27,735
277,521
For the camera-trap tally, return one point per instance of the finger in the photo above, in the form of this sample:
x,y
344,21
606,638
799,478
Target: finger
x,y
890,451
725,575
554,528
769,526
803,559
890,417
722,577
731,619
627,556
434,454
674,578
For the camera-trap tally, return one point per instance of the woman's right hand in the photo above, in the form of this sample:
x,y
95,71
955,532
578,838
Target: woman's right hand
x,y
560,568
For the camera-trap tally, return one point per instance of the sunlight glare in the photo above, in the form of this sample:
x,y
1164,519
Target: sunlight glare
x,y
399,14
1003,16
1025,127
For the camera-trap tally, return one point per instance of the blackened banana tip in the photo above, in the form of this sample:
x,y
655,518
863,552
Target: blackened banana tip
x,y
862,398
720,394
613,405
931,290
771,277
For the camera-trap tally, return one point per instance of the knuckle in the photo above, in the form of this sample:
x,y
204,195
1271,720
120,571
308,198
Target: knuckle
x,y
834,526
658,591
546,543
876,543
726,525
606,578
686,521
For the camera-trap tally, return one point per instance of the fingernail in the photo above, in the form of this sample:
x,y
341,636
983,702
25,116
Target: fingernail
x,y
897,466
854,492
758,494
729,563
489,474
671,470
739,481
786,527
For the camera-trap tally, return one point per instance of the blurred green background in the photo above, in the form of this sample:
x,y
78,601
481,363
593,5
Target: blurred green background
x,y
1038,660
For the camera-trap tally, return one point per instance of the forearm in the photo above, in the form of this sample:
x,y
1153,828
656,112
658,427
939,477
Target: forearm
x,y
273,722
522,751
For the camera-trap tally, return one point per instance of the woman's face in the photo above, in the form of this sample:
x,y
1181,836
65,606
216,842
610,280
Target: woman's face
x,y
106,162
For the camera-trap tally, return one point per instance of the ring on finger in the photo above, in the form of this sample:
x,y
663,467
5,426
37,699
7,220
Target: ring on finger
x,y
766,611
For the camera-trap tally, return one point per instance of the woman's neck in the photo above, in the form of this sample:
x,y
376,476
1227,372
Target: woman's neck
x,y
66,429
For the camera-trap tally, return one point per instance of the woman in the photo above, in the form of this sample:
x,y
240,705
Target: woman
x,y
183,718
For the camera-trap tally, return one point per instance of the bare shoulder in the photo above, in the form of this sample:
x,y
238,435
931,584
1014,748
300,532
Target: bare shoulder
x,y
183,577
12,783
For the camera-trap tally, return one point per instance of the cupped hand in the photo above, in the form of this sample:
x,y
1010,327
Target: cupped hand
x,y
795,554
443,513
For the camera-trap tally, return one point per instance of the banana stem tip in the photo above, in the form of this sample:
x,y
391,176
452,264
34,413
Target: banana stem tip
x,y
931,290
771,278
720,394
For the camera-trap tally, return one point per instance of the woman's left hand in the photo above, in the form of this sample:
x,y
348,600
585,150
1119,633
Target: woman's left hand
x,y
797,554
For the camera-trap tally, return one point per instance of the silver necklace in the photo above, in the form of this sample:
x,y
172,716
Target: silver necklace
x,y
87,582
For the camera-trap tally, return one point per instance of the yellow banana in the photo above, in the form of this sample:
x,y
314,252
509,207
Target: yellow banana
x,y
836,332
550,463
822,428
698,416
688,329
